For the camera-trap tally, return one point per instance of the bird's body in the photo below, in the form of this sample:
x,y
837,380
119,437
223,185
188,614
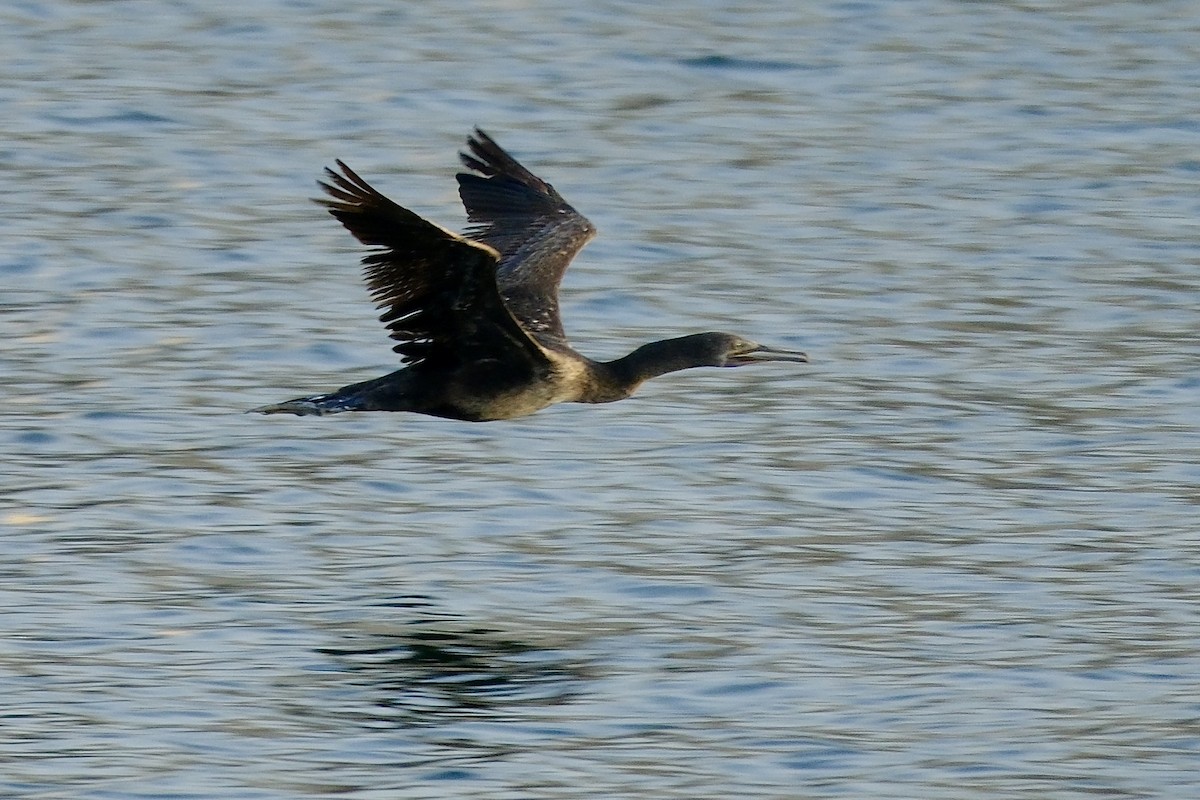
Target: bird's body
x,y
476,316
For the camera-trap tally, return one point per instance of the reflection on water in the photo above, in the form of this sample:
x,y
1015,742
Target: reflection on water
x,y
434,673
953,557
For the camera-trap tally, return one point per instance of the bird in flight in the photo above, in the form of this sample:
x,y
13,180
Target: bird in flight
x,y
475,315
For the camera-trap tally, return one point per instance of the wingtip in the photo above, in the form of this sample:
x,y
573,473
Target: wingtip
x,y
475,157
346,174
346,187
332,180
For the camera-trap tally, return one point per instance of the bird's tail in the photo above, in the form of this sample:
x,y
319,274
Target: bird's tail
x,y
315,405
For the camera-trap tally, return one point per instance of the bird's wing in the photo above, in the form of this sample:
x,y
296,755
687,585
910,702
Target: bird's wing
x,y
438,289
535,231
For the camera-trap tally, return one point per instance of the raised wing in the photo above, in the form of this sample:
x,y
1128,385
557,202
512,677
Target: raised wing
x,y
535,231
438,289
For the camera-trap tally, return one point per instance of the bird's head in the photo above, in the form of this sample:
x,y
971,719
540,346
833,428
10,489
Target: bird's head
x,y
728,350
696,350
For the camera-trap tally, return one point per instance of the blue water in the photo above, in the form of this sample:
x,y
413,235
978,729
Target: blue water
x,y
956,556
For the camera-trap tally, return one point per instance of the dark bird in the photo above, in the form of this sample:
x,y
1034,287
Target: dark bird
x,y
476,315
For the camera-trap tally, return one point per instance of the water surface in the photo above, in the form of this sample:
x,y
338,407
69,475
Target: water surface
x,y
954,557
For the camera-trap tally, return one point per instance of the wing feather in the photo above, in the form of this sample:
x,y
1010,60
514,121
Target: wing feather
x,y
437,289
535,231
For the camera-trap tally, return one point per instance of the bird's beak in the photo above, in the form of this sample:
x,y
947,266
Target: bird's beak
x,y
764,353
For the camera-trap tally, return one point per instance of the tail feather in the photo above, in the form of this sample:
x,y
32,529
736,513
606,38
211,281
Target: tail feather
x,y
315,405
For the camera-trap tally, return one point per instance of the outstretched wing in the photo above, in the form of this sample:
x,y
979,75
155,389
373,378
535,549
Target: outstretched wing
x,y
438,289
535,231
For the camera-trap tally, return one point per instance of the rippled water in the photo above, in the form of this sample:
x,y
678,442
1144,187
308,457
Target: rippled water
x,y
954,557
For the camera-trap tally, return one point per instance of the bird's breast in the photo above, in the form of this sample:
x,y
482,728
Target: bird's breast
x,y
494,390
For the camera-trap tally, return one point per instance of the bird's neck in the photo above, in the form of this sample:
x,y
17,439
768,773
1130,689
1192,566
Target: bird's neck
x,y
650,361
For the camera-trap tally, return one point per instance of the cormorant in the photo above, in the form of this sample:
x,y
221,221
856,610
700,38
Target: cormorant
x,y
476,315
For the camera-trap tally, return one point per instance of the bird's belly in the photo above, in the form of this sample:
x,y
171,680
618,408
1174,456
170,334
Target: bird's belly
x,y
507,405
482,395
